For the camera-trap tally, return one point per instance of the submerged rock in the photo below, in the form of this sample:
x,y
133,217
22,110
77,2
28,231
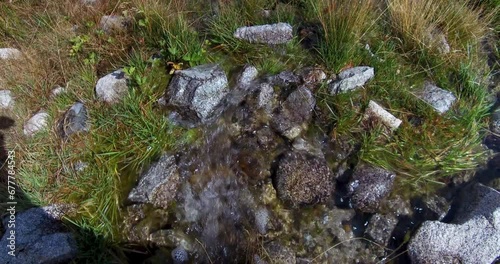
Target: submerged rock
x,y
74,120
295,113
380,228
39,238
158,185
279,33
36,123
6,100
368,186
471,237
351,79
10,54
441,100
197,91
375,112
303,179
112,88
115,24
280,254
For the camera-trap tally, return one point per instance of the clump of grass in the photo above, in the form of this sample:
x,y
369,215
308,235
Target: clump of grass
x,y
416,21
343,23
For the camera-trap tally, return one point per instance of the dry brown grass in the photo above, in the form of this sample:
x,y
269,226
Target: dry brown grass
x,y
415,20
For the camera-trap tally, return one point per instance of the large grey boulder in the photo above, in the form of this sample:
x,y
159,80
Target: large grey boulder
x,y
196,92
295,113
440,99
74,120
351,79
158,185
10,54
112,88
39,238
279,33
473,236
6,100
36,123
368,186
303,179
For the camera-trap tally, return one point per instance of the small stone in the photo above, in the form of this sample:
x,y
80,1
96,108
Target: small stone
x,y
279,33
115,24
284,79
112,88
6,100
437,39
495,122
302,145
247,76
380,228
36,123
351,79
376,112
80,166
57,91
368,186
261,220
265,99
441,100
10,54
74,120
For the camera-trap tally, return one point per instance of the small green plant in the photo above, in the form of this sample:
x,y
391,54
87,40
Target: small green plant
x,y
77,44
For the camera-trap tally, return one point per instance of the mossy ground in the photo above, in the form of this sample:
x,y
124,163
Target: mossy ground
x,y
63,45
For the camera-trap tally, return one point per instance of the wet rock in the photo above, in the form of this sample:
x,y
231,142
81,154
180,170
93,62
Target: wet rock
x,y
284,79
115,24
39,238
10,54
279,33
280,254
295,113
158,185
441,100
142,223
74,120
265,99
471,237
301,144
492,142
397,205
436,207
380,228
303,179
112,88
368,186
197,91
6,100
495,122
311,76
351,79
338,223
267,139
247,76
375,113
36,123
262,220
